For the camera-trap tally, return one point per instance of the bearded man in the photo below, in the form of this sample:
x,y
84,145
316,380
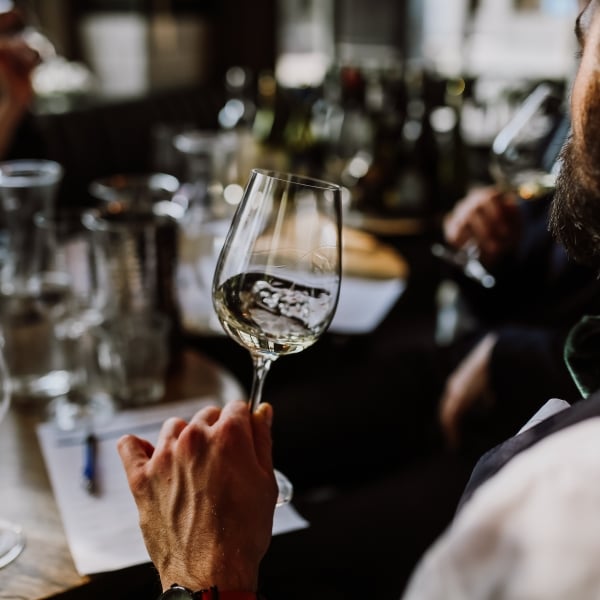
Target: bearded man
x,y
528,526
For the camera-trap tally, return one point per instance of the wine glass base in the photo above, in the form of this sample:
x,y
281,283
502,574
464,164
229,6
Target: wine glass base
x,y
12,542
284,487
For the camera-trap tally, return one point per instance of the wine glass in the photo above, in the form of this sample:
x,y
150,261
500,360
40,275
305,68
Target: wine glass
x,y
12,540
277,279
522,162
522,157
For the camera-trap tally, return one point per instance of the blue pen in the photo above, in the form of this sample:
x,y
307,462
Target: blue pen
x,y
89,465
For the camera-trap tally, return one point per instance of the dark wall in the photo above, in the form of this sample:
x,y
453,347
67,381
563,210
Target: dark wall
x,y
245,34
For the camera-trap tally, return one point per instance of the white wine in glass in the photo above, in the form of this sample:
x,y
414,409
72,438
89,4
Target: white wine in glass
x,y
277,279
12,540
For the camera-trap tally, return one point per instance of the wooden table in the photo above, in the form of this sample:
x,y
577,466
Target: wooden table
x,y
45,568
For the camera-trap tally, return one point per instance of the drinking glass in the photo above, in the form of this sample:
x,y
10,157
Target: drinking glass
x,y
155,192
12,540
518,158
36,358
522,162
68,268
277,279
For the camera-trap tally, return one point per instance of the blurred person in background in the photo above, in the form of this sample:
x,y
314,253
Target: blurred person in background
x,y
511,360
17,61
473,392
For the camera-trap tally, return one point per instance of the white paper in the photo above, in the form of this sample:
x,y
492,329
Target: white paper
x,y
364,303
102,530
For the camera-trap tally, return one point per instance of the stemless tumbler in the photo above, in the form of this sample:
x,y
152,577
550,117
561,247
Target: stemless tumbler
x,y
35,357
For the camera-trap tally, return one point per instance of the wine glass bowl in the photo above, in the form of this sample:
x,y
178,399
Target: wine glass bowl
x,y
277,279
520,159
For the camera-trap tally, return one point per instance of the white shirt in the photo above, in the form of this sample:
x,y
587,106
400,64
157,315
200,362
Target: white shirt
x,y
531,532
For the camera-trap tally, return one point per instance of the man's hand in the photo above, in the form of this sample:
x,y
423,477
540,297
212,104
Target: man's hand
x,y
206,496
487,218
466,386
17,61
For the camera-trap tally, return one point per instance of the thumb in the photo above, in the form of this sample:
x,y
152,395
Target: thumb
x,y
262,418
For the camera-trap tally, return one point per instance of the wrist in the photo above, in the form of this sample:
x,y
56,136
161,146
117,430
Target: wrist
x,y
230,576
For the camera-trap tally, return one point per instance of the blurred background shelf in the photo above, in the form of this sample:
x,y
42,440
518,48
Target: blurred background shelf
x,y
397,100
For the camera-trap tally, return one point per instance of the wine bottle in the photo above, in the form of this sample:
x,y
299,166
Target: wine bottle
x,y
413,189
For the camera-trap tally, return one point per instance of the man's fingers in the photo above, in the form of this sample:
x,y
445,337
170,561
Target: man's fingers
x,y
260,427
134,451
208,415
170,431
261,430
236,409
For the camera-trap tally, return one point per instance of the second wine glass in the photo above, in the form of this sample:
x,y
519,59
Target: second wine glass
x,y
524,160
277,280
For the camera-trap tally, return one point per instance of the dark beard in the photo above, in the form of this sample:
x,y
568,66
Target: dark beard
x,y
575,211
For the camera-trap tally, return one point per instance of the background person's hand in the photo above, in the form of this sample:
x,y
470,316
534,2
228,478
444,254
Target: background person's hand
x,y
17,61
487,218
465,387
206,496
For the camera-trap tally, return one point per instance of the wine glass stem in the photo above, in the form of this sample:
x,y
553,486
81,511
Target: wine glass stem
x,y
262,365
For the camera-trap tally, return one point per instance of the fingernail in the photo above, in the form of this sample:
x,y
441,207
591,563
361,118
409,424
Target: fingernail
x,y
266,411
